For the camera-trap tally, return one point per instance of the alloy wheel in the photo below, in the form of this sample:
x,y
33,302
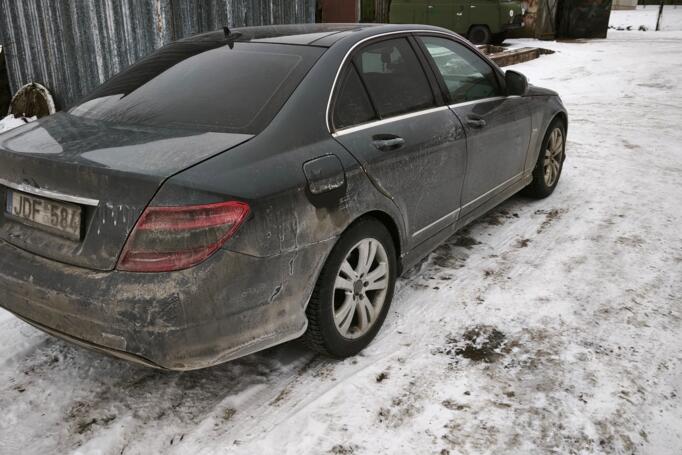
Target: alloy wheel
x,y
360,288
553,156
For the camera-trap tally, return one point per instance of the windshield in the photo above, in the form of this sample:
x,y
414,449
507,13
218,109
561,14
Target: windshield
x,y
203,85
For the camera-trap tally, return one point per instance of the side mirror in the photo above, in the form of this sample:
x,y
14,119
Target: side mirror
x,y
516,83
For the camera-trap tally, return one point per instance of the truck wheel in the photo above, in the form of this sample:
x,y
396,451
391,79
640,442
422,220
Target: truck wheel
x,y
479,34
354,291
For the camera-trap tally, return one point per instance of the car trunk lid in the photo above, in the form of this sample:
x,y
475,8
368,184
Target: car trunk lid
x,y
111,171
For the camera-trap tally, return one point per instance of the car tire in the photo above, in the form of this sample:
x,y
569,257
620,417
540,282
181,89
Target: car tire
x,y
550,161
479,34
329,332
498,38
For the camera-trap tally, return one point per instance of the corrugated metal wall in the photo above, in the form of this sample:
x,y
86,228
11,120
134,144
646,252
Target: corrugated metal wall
x,y
71,46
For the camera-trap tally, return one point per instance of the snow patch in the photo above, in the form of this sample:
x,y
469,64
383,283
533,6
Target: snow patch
x,y
11,122
645,17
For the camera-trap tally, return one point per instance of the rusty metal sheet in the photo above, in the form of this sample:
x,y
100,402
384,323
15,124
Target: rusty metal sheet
x,y
338,11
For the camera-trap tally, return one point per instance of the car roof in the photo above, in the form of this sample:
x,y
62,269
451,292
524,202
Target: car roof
x,y
323,35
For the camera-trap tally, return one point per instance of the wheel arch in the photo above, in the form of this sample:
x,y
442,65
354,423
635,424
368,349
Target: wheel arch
x,y
387,221
390,224
562,116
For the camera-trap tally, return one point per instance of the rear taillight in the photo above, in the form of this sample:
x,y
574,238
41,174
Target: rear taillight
x,y
174,238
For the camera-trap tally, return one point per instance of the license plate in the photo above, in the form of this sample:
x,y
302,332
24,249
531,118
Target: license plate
x,y
57,217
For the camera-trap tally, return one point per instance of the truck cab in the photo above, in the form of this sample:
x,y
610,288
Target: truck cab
x,y
481,21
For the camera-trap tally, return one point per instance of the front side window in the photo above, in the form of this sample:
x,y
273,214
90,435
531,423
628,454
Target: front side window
x,y
394,77
466,75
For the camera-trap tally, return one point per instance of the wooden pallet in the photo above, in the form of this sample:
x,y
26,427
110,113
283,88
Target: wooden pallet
x,y
505,57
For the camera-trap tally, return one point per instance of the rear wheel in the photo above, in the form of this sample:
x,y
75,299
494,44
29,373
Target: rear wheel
x,y
354,291
479,34
550,161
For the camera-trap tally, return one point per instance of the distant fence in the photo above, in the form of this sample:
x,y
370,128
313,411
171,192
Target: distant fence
x,y
5,94
71,46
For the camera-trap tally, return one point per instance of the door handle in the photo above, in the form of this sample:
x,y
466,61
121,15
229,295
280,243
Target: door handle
x,y
385,142
476,122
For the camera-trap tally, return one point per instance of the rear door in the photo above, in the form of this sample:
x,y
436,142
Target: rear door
x,y
387,114
497,127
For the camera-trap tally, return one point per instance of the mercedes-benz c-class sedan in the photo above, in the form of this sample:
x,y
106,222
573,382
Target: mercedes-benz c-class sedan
x,y
238,189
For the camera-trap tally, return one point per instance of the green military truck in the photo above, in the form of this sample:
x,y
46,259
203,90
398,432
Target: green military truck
x,y
481,21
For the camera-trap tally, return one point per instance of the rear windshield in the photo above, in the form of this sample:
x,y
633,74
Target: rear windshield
x,y
203,85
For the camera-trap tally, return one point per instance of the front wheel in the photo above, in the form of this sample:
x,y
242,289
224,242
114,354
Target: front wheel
x,y
354,291
550,161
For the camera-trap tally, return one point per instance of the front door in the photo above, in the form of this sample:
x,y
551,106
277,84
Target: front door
x,y
498,134
414,150
497,127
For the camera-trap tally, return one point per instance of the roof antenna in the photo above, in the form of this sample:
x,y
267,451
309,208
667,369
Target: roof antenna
x,y
229,37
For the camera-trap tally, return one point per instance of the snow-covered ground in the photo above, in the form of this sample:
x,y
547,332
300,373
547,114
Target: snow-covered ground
x,y
646,16
10,121
576,302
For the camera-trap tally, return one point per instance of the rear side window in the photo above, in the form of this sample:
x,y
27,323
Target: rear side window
x,y
466,75
394,77
203,85
352,105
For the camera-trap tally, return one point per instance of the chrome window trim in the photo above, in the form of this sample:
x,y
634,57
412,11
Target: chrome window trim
x,y
356,45
481,100
373,123
49,194
362,126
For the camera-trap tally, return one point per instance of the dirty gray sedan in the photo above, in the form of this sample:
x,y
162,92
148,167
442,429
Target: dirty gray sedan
x,y
242,188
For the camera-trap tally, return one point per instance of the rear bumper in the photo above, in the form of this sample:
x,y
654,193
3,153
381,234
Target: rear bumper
x,y
229,306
